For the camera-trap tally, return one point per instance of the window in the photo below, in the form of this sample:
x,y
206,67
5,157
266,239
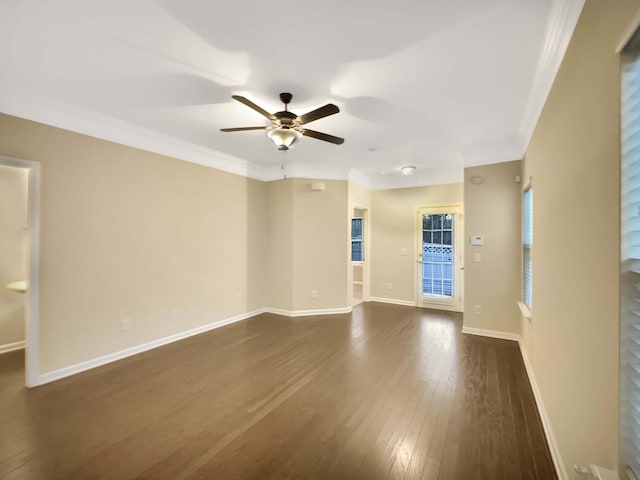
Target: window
x,y
630,261
357,245
527,241
437,254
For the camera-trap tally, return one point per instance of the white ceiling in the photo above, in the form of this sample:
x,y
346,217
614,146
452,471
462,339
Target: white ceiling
x,y
440,84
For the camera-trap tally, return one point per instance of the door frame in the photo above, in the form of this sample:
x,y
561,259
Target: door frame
x,y
457,305
32,317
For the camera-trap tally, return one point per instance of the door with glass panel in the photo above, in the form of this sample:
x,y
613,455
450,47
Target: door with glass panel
x,y
440,258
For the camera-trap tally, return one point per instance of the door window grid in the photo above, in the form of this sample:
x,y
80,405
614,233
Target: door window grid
x,y
437,254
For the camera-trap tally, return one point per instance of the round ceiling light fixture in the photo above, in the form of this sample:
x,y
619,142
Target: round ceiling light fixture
x,y
408,170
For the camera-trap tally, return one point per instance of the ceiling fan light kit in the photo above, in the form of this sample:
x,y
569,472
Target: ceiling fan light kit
x,y
287,127
283,137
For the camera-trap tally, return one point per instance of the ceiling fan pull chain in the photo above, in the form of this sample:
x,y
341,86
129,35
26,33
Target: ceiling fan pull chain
x,y
284,172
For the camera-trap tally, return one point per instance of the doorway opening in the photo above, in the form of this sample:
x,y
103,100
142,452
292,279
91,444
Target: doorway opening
x,y
20,230
440,258
359,255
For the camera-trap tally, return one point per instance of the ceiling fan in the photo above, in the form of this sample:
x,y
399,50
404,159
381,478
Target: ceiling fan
x,y
287,127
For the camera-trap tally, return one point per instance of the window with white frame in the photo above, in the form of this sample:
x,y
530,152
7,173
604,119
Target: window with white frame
x,y
357,244
527,242
630,261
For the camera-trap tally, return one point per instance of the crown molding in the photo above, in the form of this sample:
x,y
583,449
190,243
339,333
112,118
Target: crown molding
x,y
38,107
359,178
31,105
24,103
305,170
561,23
418,179
496,154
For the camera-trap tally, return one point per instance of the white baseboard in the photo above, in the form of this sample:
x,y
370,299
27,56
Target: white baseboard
x,y
11,347
546,423
393,301
558,463
491,333
128,352
307,313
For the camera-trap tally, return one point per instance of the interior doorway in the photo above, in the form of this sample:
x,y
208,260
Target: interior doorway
x,y
359,255
28,285
440,258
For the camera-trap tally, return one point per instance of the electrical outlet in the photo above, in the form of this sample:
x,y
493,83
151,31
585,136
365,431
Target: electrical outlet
x,y
477,309
477,257
314,294
126,324
173,315
389,286
239,297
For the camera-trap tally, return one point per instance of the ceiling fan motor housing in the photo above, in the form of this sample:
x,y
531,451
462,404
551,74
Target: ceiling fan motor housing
x,y
285,118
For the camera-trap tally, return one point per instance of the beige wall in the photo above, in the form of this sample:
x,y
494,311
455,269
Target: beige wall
x,y
308,245
320,245
359,195
131,234
573,158
279,245
13,241
493,210
393,226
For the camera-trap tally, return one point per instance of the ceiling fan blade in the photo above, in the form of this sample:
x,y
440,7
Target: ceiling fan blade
x,y
323,136
253,106
318,113
242,129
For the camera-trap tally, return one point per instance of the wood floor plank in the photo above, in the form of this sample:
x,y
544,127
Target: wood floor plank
x,y
387,392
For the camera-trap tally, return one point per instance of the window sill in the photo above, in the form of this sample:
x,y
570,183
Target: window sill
x,y
524,310
357,264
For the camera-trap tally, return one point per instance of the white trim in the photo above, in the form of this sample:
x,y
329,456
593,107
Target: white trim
x,y
32,320
308,313
562,21
357,177
128,352
393,301
496,154
558,463
546,423
12,347
491,333
524,310
441,176
24,103
36,106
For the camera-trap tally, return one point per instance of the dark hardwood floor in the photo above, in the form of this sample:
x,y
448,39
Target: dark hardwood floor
x,y
388,392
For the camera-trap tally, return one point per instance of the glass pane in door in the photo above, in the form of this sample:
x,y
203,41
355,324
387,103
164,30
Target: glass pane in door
x,y
438,254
